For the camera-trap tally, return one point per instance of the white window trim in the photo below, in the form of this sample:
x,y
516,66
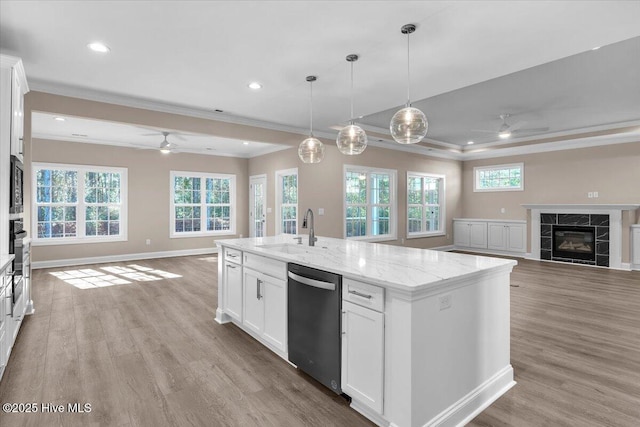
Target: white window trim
x,y
80,216
278,175
443,212
476,171
393,191
201,233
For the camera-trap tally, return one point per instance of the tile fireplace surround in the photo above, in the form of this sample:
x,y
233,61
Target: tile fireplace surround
x,y
614,213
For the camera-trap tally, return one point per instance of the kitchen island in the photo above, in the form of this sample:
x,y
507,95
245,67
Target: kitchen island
x,y
425,333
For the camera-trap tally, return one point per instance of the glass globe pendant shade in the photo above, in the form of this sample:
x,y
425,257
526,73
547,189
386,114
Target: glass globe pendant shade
x,y
409,126
351,140
311,150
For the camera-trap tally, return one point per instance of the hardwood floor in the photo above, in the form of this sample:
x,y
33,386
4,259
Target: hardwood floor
x,y
148,353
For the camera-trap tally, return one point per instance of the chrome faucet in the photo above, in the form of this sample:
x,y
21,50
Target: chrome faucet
x,y
312,235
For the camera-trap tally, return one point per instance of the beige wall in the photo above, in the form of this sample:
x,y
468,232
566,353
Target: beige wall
x,y
561,177
320,186
557,177
148,195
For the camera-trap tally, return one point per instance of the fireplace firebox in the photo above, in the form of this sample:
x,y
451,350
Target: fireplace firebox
x,y
574,242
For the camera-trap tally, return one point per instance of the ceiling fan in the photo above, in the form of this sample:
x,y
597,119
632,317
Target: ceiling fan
x,y
165,146
506,130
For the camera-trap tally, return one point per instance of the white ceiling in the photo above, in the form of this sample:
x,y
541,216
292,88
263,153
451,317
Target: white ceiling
x,y
78,129
201,56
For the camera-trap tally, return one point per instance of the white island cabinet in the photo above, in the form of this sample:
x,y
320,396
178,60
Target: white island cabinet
x,y
425,334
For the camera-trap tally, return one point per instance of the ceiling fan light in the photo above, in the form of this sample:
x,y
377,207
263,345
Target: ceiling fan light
x,y
311,150
351,140
165,147
409,126
504,134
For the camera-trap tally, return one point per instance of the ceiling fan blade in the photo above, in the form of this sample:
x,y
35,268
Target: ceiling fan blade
x,y
484,130
531,130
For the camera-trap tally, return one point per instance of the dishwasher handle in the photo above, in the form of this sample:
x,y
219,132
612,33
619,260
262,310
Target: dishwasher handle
x,y
312,282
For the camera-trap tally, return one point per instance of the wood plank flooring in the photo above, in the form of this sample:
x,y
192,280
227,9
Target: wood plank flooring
x,y
148,353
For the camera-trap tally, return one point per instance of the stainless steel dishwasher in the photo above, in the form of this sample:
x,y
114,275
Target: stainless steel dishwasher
x,y
315,303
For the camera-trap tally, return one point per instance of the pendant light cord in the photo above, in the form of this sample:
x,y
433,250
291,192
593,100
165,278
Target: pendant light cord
x,y
408,74
351,93
311,108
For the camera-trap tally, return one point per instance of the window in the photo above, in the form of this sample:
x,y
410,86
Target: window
x,y
370,203
79,204
202,204
425,205
287,201
499,178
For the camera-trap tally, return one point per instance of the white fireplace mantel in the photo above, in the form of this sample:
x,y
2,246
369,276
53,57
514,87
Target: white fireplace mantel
x,y
582,208
615,224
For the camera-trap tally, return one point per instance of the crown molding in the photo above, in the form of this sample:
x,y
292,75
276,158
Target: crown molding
x,y
7,61
163,107
450,151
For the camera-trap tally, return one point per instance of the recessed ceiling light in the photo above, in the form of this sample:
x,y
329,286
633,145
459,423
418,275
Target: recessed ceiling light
x,y
99,47
255,85
245,143
59,119
596,48
469,142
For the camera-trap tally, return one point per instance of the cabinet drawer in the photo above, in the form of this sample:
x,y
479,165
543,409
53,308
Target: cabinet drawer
x,y
363,294
268,266
233,255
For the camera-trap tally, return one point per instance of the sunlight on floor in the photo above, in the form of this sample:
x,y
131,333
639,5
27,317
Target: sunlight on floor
x,y
209,259
90,279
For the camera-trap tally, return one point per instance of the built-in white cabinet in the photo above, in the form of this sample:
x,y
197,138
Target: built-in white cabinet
x,y
506,236
470,234
233,290
492,236
635,247
265,299
363,343
7,323
14,87
265,307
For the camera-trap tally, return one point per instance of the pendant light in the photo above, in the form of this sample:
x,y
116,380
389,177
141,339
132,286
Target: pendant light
x,y
409,125
311,150
351,139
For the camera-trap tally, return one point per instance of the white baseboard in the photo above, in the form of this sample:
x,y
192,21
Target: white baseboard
x,y
123,257
442,248
370,414
467,408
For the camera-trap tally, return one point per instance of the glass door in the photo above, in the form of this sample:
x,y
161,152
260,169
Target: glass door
x,y
257,205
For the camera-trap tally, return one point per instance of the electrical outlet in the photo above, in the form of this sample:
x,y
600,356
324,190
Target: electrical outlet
x,y
590,194
445,301
320,211
503,210
595,194
241,236
148,242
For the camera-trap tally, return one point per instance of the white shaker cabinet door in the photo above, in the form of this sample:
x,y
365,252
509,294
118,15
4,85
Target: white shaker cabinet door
x,y
363,354
275,311
253,301
233,290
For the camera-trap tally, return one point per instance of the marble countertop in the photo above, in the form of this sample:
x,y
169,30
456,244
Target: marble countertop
x,y
397,267
5,260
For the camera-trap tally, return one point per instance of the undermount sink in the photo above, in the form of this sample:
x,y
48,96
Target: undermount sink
x,y
287,248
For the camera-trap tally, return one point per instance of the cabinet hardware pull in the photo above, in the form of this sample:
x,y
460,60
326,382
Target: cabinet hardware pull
x,y
361,295
232,256
231,266
258,283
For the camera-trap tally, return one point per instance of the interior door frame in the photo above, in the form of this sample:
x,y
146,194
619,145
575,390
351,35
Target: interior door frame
x,y
252,226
